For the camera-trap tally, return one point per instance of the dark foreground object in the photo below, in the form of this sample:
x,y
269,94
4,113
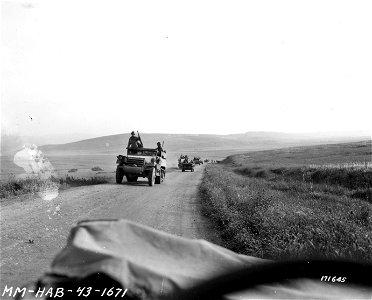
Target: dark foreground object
x,y
104,258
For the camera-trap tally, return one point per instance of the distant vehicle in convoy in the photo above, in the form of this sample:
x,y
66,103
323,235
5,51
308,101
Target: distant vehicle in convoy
x,y
188,166
142,162
185,164
180,162
198,161
182,159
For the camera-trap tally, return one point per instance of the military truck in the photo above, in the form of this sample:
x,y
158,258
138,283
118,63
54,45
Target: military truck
x,y
181,160
198,161
188,166
141,162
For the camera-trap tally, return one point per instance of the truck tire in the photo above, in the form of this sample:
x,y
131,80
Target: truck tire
x,y
183,170
119,175
152,177
192,170
162,177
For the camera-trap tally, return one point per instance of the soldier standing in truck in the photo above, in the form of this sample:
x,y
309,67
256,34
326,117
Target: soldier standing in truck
x,y
134,141
159,148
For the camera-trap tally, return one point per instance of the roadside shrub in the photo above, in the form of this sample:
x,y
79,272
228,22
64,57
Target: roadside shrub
x,y
349,177
245,171
253,172
97,169
32,184
365,194
75,181
278,171
262,174
35,184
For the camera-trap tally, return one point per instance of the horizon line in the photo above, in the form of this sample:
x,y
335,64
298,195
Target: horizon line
x,y
361,131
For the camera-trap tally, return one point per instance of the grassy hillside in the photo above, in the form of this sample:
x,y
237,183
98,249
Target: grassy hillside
x,y
296,202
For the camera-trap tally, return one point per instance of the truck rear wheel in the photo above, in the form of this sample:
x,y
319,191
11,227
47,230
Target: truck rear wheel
x,y
119,175
152,177
160,178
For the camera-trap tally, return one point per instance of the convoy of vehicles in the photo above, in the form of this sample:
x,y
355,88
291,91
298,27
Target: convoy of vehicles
x,y
188,166
185,164
197,160
149,163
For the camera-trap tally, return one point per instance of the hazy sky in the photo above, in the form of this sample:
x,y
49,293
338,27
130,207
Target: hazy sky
x,y
106,67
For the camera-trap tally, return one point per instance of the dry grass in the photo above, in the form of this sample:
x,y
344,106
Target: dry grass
x,y
273,210
97,169
35,184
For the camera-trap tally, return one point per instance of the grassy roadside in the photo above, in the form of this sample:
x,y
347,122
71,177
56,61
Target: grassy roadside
x,y
270,209
34,184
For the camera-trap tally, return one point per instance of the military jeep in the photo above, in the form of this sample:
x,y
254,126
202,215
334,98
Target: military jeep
x,y
188,166
141,162
198,161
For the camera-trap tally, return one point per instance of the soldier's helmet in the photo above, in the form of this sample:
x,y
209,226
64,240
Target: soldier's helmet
x,y
158,143
132,133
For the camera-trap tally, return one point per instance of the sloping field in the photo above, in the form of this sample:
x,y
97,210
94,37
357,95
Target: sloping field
x,y
294,203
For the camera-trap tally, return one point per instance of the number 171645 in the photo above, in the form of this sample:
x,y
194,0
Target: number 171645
x,y
333,279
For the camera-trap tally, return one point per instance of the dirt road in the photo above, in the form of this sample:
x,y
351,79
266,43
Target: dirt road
x,y
173,207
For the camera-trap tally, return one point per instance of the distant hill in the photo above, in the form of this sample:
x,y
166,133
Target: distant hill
x,y
181,142
202,142
13,143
